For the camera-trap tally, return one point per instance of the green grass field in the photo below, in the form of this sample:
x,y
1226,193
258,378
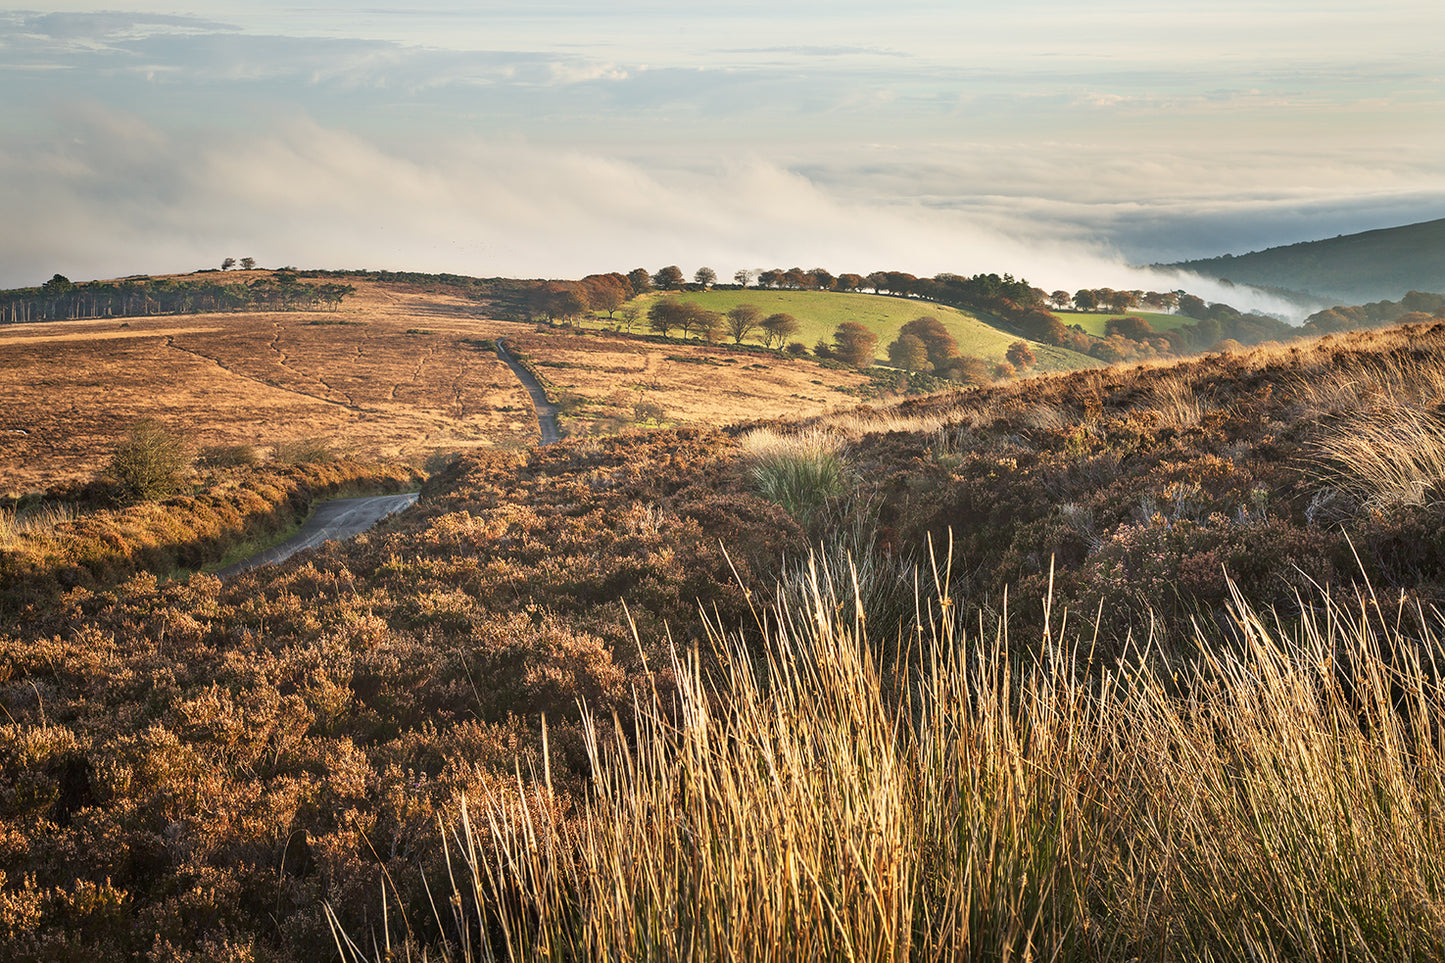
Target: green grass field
x,y
1093,322
820,312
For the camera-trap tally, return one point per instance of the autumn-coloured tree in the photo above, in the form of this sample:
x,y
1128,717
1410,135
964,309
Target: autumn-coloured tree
x,y
1121,301
741,320
710,325
705,277
1193,307
899,282
968,370
694,319
848,282
665,315
909,351
1061,299
669,278
742,277
640,280
780,327
854,344
941,346
1085,299
1133,328
1043,327
1021,356
560,299
606,292
627,316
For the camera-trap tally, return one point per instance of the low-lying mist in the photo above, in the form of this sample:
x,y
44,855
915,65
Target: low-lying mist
x,y
116,196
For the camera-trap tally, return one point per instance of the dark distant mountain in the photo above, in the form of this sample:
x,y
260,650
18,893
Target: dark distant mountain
x,y
1350,269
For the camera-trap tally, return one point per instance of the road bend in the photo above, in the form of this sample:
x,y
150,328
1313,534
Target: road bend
x,y
333,520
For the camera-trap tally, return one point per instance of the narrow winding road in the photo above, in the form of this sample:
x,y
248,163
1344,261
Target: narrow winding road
x,y
345,517
546,411
341,518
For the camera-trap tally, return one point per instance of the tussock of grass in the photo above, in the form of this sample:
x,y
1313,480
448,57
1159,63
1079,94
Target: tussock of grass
x,y
16,525
858,422
1393,456
1175,401
1276,800
801,472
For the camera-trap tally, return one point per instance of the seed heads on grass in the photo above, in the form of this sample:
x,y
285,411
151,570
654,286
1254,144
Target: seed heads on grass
x,y
1274,799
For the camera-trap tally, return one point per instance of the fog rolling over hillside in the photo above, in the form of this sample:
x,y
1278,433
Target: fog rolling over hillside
x,y
1352,268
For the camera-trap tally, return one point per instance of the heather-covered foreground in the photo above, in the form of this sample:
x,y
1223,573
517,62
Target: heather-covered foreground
x,y
1066,731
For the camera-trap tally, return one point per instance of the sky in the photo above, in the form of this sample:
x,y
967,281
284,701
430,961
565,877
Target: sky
x,y
1059,142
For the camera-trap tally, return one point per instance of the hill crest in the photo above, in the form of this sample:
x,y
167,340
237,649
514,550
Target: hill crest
x,y
1349,268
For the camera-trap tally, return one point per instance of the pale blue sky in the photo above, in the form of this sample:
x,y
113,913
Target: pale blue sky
x,y
1053,140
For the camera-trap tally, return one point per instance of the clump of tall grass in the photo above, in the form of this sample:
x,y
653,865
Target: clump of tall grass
x,y
1394,455
804,472
858,422
16,525
1176,403
1277,798
230,456
305,451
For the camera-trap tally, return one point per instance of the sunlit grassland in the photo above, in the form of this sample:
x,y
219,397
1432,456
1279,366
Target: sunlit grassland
x,y
1093,322
837,794
820,312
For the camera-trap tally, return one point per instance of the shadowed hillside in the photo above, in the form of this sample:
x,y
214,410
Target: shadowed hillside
x,y
1350,269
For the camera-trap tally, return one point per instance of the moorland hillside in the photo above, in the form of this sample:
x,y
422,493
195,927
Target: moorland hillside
x,y
1106,664
398,369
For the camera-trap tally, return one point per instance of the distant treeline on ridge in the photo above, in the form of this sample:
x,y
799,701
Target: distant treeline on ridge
x,y
59,299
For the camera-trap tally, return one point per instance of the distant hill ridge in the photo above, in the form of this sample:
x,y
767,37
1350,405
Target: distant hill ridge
x,y
1353,268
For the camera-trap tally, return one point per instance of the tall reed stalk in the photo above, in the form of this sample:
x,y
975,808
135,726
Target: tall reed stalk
x,y
1281,798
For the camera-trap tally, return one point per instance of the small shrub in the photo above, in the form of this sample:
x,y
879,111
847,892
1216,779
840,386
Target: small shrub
x,y
151,463
643,411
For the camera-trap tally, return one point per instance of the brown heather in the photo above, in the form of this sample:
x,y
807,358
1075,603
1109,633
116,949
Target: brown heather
x,y
1167,689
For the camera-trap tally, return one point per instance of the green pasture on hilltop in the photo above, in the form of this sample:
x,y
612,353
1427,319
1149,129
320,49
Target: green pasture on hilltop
x,y
1093,321
820,312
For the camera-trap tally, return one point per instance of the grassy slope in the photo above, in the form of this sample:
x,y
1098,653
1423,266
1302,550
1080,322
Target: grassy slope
x,y
1093,322
820,312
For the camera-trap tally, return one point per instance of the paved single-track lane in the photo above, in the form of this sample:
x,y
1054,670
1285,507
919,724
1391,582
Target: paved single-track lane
x,y
546,411
345,517
334,520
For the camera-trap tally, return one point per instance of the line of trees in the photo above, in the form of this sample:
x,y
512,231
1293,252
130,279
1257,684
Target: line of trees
x,y
1021,307
60,299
